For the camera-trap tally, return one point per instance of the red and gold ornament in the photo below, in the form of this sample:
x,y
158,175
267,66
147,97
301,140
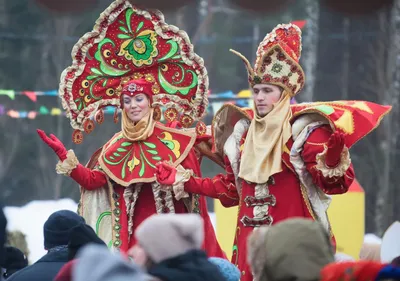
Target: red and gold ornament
x,y
201,128
99,117
157,113
186,121
88,126
171,114
115,117
77,137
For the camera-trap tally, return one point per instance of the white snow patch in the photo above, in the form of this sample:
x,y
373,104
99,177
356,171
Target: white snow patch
x,y
30,219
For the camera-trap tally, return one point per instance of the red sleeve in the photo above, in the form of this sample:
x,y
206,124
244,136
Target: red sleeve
x,y
315,145
87,178
220,187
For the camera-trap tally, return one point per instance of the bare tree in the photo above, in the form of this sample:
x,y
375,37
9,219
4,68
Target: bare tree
x,y
384,84
310,48
55,57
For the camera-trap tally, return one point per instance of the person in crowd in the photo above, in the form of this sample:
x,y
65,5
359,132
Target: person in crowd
x,y
370,251
169,248
229,271
294,249
281,160
56,231
362,270
14,260
97,263
80,236
138,75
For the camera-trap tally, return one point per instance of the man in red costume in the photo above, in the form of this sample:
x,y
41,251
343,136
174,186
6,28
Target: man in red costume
x,y
281,160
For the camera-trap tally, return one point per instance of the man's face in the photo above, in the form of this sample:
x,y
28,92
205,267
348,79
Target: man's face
x,y
265,96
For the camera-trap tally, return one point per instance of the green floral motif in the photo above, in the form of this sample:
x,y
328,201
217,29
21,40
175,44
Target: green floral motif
x,y
173,88
257,79
140,46
277,68
126,154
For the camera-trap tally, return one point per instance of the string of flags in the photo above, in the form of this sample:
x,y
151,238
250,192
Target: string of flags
x,y
216,101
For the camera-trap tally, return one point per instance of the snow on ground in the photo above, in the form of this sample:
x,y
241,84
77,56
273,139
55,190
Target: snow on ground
x,y
30,219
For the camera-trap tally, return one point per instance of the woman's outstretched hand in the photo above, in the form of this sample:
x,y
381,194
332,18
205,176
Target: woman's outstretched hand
x,y
165,173
54,144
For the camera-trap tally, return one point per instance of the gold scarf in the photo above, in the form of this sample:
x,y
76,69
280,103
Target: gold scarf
x,y
139,131
265,141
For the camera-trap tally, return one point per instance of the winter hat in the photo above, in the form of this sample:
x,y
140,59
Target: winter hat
x,y
3,225
342,257
370,251
227,269
58,226
80,236
294,249
14,260
169,235
98,263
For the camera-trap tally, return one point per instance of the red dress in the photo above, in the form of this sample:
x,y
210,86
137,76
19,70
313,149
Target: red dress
x,y
146,197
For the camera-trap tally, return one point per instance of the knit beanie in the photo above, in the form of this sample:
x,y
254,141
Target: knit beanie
x,y
57,228
228,270
97,263
14,260
166,236
80,236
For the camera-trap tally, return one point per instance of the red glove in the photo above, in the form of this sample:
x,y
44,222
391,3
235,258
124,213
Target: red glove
x,y
165,173
54,144
335,148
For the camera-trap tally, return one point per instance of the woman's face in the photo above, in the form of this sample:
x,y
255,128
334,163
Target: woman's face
x,y
136,107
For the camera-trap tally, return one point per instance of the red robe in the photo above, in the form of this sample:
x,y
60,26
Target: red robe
x,y
165,144
286,197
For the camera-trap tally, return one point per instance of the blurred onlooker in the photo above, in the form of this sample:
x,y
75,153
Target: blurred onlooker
x,y
97,263
229,271
17,239
359,271
80,236
169,248
370,251
342,257
295,249
56,237
14,260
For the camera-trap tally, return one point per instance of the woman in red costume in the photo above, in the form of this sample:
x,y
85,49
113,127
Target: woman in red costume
x,y
134,61
281,160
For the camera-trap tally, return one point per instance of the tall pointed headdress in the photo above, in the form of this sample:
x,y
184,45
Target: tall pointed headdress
x,y
127,44
277,60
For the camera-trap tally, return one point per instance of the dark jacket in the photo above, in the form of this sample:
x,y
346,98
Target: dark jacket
x,y
44,269
193,266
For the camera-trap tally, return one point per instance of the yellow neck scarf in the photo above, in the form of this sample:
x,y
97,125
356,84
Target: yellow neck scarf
x,y
139,131
265,141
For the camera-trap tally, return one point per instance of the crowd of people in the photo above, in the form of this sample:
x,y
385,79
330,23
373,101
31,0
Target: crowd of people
x,y
169,248
143,213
